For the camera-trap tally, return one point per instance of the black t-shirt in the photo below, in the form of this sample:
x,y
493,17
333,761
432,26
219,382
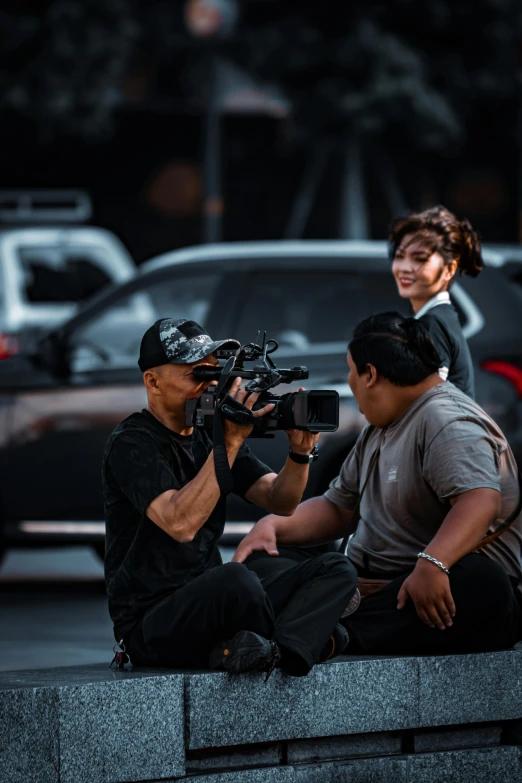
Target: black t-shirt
x,y
443,325
142,459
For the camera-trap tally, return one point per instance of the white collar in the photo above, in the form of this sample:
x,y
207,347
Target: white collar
x,y
441,298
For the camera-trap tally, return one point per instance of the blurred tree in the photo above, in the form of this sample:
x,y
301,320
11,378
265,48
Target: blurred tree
x,y
373,66
62,63
353,72
394,71
366,66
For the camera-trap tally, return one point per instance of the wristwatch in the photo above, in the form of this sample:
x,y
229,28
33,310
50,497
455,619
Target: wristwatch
x,y
305,459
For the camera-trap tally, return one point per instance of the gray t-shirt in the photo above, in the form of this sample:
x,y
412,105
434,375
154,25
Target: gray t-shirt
x,y
444,445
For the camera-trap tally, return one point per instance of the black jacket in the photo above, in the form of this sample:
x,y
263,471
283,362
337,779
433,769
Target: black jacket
x,y
442,323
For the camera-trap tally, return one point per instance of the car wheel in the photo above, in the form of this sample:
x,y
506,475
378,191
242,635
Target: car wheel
x,y
100,550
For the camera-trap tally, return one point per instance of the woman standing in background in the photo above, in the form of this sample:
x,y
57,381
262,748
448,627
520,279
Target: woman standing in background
x,y
427,249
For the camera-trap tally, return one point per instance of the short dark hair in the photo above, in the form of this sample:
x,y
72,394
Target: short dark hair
x,y
399,348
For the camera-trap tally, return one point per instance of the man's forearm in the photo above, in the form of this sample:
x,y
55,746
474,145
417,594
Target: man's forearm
x,y
191,506
465,525
287,488
316,521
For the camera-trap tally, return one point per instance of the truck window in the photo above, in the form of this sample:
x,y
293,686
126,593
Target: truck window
x,y
53,274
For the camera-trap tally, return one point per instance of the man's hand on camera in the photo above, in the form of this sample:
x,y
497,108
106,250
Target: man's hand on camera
x,y
262,538
302,442
236,433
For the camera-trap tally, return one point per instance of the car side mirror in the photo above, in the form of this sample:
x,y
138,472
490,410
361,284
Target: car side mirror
x,y
51,354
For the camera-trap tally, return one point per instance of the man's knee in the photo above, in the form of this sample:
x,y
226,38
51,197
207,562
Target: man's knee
x,y
335,561
238,573
243,603
482,577
240,583
482,586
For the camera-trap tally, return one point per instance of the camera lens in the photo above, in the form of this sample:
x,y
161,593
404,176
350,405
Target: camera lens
x,y
314,410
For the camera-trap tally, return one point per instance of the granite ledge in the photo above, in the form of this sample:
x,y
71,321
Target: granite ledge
x,y
354,696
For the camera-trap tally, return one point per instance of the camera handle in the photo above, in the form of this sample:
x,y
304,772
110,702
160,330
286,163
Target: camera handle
x,y
235,411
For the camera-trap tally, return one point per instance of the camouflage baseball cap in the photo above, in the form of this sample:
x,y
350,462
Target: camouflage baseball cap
x,y
179,341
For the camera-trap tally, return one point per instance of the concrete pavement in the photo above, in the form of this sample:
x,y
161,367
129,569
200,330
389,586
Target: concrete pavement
x,y
53,609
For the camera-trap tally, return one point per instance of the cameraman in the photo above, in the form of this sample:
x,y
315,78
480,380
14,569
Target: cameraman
x,y
172,601
443,479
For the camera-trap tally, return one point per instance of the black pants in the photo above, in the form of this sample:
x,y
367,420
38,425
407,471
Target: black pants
x,y
297,606
488,615
488,611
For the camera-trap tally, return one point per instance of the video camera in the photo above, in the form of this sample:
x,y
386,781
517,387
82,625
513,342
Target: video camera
x,y
312,411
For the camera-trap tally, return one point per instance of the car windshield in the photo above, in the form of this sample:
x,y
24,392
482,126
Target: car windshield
x,y
112,337
314,311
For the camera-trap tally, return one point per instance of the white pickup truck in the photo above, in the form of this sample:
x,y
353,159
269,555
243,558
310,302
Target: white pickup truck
x,y
48,264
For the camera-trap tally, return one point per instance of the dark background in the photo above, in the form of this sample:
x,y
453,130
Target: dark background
x,y
110,97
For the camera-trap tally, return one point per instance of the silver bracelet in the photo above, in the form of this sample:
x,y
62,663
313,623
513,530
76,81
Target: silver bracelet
x,y
435,562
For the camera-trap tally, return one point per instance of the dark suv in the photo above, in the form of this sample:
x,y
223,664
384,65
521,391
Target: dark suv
x,y
59,403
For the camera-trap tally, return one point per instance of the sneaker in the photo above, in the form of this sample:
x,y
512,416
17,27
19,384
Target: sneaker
x,y
245,652
336,644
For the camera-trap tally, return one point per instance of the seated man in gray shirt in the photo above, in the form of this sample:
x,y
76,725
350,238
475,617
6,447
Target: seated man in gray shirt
x,y
443,480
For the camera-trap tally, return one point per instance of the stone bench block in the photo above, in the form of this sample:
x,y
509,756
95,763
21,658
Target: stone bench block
x,y
354,696
470,688
339,698
387,770
453,738
361,771
493,765
91,725
234,758
360,720
484,765
328,748
29,745
265,775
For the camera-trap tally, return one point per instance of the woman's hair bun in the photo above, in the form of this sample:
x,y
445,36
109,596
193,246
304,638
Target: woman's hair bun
x,y
471,262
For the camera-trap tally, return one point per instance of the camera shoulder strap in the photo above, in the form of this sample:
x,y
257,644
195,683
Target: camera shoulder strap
x,y
224,476
508,522
354,521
